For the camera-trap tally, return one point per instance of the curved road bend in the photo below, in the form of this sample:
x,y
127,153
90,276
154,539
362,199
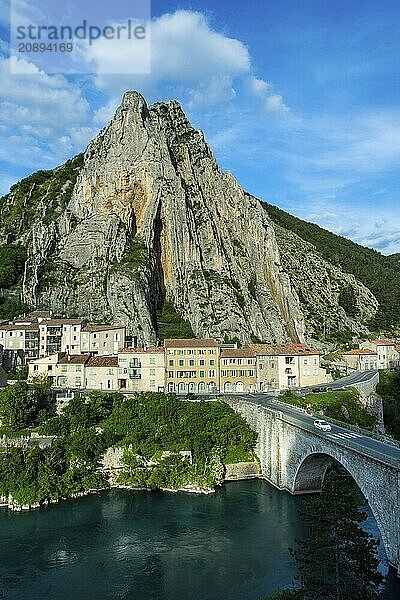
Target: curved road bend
x,y
340,435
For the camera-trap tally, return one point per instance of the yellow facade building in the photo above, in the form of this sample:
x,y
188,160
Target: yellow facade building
x,y
237,370
192,366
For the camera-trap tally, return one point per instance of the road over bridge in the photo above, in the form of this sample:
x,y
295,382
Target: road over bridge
x,y
295,456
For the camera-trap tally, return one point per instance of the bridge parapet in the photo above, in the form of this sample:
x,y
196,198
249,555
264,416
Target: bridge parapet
x,y
294,457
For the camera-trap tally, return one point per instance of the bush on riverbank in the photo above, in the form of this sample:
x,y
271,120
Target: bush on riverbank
x,y
389,390
344,406
25,405
144,424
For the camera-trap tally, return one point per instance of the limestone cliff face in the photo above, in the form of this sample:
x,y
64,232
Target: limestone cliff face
x,y
152,217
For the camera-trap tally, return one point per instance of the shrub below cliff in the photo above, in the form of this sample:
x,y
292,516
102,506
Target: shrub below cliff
x,y
389,389
144,424
342,406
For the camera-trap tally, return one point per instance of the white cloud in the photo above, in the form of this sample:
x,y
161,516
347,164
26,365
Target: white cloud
x,y
44,116
189,59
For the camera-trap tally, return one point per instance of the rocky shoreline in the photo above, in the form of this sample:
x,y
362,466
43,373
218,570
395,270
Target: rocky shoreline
x,y
233,472
14,506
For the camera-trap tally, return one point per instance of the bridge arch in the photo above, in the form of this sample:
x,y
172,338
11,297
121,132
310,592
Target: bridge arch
x,y
309,477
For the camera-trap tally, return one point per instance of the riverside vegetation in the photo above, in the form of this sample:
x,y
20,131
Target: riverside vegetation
x,y
389,390
145,425
338,559
343,405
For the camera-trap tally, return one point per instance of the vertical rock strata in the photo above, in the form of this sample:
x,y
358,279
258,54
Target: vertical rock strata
x,y
153,217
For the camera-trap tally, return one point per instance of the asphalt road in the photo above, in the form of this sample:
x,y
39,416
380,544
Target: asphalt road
x,y
348,381
340,435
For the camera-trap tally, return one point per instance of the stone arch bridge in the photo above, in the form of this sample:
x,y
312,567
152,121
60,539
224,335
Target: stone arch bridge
x,y
294,456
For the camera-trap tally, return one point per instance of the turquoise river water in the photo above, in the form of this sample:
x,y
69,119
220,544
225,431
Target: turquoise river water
x,y
231,545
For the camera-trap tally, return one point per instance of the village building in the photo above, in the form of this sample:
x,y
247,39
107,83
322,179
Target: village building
x,y
192,366
141,370
388,355
18,342
287,366
101,373
362,359
46,366
60,335
102,339
237,370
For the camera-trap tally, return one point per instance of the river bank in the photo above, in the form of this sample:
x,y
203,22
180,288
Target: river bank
x,y
233,472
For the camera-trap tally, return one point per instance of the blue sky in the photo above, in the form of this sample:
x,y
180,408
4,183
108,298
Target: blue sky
x,y
299,99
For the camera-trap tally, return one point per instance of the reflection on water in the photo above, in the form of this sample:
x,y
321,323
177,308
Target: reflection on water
x,y
136,545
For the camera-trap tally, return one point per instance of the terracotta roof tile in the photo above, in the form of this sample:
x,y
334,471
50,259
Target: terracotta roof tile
x,y
71,359
362,351
158,350
284,350
30,327
103,361
94,328
61,322
238,352
193,343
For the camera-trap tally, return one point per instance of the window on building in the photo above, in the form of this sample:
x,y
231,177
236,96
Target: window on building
x,y
201,373
36,367
152,372
191,362
212,362
202,362
171,363
170,374
289,360
152,383
211,373
181,363
152,361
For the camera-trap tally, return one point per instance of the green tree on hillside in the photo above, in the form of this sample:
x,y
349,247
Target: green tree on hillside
x,y
25,405
12,261
389,389
338,560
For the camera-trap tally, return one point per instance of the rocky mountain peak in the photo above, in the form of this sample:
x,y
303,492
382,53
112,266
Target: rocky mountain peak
x,y
152,218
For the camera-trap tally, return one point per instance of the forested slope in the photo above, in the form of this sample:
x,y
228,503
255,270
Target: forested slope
x,y
381,274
